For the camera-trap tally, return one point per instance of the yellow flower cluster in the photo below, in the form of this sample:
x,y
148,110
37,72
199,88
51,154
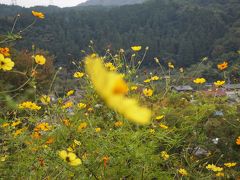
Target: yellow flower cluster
x,y
29,105
230,164
112,88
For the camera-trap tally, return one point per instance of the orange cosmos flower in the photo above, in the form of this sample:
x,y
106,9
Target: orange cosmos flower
x,y
222,66
238,140
38,14
5,51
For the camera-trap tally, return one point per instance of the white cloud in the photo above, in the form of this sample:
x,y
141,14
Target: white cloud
x,y
30,3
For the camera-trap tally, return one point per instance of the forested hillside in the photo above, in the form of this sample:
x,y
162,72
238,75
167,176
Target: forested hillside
x,y
183,31
111,2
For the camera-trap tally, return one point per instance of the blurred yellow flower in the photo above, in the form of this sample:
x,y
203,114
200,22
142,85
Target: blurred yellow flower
x,y
220,174
82,126
136,48
5,125
45,99
165,155
118,124
78,74
40,59
71,92
230,164
152,131
159,117
163,126
148,92
222,66
43,127
29,105
199,81
15,123
133,88
112,88
6,64
38,14
70,157
147,80
154,78
219,83
81,105
97,130
238,140
5,51
214,168
18,132
182,172
170,65
67,105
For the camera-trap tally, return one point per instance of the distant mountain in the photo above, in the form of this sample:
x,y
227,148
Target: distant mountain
x,y
111,2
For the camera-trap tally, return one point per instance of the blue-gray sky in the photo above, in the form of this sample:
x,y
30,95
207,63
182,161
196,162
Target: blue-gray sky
x,y
30,3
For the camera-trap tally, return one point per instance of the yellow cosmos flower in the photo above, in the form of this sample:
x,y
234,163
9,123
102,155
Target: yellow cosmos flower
x,y
165,155
147,81
163,126
220,174
182,172
170,65
15,123
40,59
45,99
70,158
118,124
152,131
71,92
110,66
18,132
5,51
159,117
43,127
67,105
154,78
214,168
38,14
29,105
6,64
222,66
78,74
199,81
97,130
136,48
5,125
230,164
112,88
219,83
82,126
148,92
81,105
133,88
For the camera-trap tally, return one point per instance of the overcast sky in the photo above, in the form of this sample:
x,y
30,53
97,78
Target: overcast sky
x,y
30,3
